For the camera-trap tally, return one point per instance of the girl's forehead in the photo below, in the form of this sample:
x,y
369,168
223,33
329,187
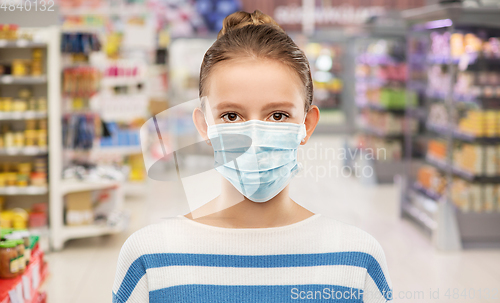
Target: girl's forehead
x,y
254,82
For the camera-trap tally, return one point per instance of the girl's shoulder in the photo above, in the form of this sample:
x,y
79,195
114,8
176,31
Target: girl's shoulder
x,y
347,237
154,238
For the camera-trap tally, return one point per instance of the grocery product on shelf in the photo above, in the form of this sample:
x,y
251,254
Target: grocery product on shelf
x,y
392,149
85,208
8,31
80,42
437,150
386,123
24,174
21,67
474,197
480,123
81,82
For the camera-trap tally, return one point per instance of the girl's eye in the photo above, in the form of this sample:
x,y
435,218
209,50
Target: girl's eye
x,y
278,117
230,117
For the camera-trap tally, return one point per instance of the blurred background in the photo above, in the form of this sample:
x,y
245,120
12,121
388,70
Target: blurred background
x,y
95,116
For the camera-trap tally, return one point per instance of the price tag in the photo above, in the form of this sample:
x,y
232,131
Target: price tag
x,y
16,295
35,275
19,290
22,43
7,79
27,287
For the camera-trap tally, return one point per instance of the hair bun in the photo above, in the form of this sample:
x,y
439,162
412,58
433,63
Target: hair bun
x,y
240,19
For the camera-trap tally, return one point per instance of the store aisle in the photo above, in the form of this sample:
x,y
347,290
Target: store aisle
x,y
83,272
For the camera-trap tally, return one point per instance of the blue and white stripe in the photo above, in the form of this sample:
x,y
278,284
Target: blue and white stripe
x,y
143,276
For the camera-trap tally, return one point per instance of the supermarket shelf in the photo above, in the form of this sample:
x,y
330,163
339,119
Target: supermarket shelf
x,y
420,216
23,151
135,188
425,192
22,115
21,44
19,191
382,108
438,129
444,130
123,150
77,232
463,99
107,151
126,10
479,230
7,79
462,173
482,16
122,81
72,186
380,134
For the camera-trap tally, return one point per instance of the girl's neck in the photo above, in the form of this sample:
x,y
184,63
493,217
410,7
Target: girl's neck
x,y
232,210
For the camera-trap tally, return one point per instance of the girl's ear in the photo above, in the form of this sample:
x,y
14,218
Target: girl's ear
x,y
201,124
312,119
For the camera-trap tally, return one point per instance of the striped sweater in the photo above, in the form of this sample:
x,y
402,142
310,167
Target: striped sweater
x,y
317,259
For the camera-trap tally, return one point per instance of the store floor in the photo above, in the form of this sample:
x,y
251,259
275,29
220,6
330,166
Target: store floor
x,y
83,272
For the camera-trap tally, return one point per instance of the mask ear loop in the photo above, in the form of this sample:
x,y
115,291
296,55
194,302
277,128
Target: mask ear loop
x,y
206,107
303,122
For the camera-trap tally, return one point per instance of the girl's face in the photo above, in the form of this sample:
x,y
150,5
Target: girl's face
x,y
254,89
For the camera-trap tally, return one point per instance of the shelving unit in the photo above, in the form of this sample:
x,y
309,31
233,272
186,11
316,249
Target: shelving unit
x,y
22,151
122,99
60,232
379,73
460,207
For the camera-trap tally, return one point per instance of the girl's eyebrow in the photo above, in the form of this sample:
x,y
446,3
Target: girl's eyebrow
x,y
278,104
224,105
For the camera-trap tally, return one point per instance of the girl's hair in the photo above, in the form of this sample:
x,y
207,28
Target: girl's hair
x,y
255,35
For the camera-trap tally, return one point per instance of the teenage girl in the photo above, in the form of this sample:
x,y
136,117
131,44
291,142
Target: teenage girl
x,y
253,243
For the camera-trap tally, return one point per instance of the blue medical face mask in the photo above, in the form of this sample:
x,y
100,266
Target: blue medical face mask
x,y
259,158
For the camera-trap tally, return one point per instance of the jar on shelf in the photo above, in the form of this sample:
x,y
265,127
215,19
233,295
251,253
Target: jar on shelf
x,y
42,104
11,179
38,179
32,104
24,168
22,237
19,67
42,137
8,139
19,218
9,255
19,105
7,104
2,180
21,262
19,139
30,137
25,235
22,180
